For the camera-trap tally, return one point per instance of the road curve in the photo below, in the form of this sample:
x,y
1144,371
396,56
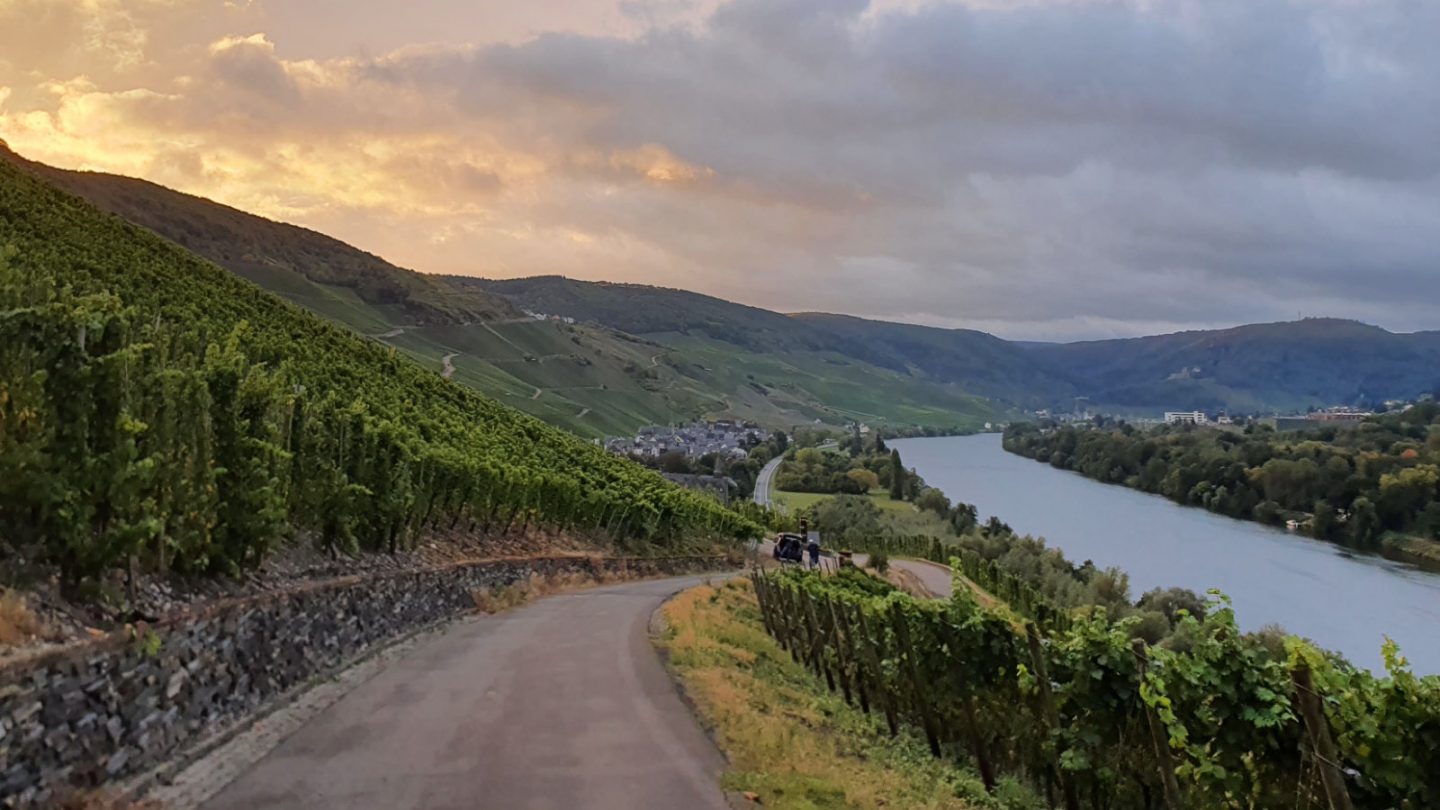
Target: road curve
x,y
762,481
559,704
937,578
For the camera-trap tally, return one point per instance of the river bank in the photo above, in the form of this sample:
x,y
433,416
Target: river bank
x,y
1342,600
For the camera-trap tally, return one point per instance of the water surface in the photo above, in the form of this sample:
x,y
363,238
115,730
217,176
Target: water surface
x,y
1344,601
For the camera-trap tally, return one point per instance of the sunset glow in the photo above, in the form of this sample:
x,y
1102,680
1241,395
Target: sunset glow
x,y
1005,166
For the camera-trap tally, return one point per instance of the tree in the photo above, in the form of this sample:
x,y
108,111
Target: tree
x,y
1324,524
1365,525
1405,493
933,500
963,517
778,443
847,519
673,461
866,479
897,477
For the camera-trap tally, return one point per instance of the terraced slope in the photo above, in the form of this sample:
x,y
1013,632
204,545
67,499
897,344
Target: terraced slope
x,y
154,406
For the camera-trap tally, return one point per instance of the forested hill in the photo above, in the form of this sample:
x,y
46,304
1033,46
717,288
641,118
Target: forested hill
x,y
645,355
297,262
1252,368
157,410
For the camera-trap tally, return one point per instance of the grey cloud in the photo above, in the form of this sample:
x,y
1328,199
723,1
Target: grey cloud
x,y
1067,168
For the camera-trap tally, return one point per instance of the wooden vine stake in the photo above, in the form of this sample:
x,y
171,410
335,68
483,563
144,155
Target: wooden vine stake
x,y
1326,756
1052,717
922,704
852,653
761,598
1160,740
842,661
817,644
875,654
976,736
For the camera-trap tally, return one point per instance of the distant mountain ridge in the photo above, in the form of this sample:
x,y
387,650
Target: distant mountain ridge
x,y
593,380
642,354
1286,365
1250,368
976,361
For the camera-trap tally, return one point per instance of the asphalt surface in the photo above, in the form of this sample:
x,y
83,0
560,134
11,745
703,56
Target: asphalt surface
x,y
762,481
936,578
560,704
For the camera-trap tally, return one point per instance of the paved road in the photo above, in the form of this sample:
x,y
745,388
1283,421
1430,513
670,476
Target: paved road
x,y
762,481
935,577
560,704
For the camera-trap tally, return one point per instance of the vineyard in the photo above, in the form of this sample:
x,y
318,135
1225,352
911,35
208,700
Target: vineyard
x,y
157,413
1094,719
1020,595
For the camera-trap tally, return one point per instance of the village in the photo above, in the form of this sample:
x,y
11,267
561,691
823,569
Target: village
x,y
725,437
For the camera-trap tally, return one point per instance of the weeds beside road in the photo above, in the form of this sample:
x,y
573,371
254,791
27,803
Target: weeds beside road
x,y
790,743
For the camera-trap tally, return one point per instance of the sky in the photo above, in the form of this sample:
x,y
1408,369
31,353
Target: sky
x,y
1040,169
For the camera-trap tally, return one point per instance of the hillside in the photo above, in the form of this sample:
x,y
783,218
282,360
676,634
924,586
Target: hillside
x,y
974,362
1317,361
322,273
592,379
157,409
646,355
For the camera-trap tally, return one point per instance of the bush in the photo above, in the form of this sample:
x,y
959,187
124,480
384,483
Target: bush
x,y
880,561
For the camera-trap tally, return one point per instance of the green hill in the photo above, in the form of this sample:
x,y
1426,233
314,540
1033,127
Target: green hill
x,y
924,366
642,355
595,379
589,380
1254,368
158,409
1292,365
323,274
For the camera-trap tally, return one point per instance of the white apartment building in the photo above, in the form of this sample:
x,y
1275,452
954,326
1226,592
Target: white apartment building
x,y
1185,417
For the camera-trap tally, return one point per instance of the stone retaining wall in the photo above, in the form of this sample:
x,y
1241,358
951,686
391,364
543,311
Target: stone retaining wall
x,y
118,707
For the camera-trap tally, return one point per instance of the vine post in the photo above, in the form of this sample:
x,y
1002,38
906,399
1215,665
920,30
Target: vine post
x,y
1047,706
1160,740
818,634
875,653
907,650
1318,731
842,661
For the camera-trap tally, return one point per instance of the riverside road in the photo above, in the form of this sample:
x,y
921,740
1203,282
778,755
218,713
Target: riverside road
x,y
562,703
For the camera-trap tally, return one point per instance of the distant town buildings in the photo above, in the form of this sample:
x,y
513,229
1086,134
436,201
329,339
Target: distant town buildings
x,y
725,437
1340,416
1185,418
1331,417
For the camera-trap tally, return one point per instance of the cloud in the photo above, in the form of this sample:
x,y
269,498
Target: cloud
x,y
1049,169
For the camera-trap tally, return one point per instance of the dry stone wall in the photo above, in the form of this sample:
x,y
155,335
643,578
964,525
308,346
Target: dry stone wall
x,y
115,708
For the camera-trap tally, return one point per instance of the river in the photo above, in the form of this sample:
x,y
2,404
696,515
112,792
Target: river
x,y
1342,600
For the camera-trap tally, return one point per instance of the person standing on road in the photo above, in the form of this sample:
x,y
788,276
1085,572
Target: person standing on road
x,y
814,548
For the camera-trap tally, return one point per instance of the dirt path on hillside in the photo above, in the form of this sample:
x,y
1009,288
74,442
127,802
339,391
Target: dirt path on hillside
x,y
563,703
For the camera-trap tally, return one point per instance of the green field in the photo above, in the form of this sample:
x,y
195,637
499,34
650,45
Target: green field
x,y
796,501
